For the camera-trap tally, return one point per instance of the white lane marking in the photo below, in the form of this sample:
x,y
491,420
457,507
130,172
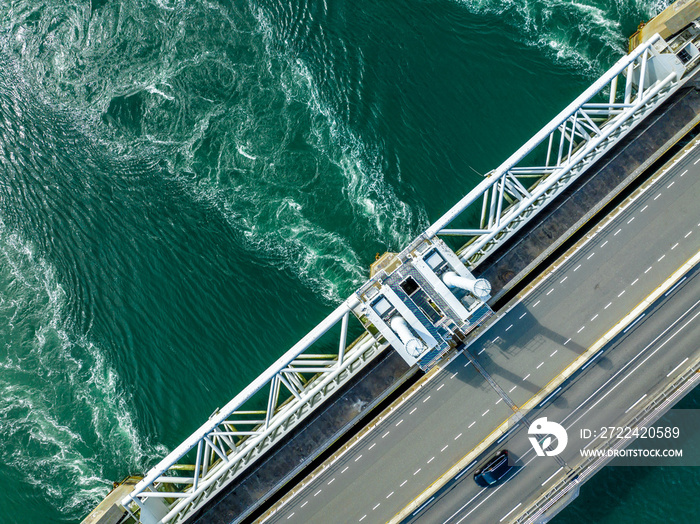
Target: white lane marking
x,y
455,374
553,353
535,304
567,341
319,491
441,386
417,471
403,483
642,210
630,220
679,365
498,401
426,399
443,449
470,425
375,507
640,399
494,340
540,365
698,160
684,172
432,458
521,316
331,481
581,329
304,504
385,434
674,246
657,196
358,458
509,327
562,280
550,291
576,268
390,494
399,423
511,511
609,304
629,363
688,234
616,232
465,365
345,469
362,518
590,256
484,413
668,186
526,377
459,436
648,269
595,316
635,281
552,475
511,389
414,409
662,257
291,515
603,244
621,293
370,448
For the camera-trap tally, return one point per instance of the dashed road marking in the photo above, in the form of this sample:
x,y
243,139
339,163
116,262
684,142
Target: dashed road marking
x,y
674,246
554,353
616,232
535,304
581,329
590,256
385,434
470,425
668,186
576,268
661,258
567,341
595,316
526,377
417,471
459,436
604,243
319,491
426,399
358,458
484,413
390,494
688,234
304,504
403,483
290,515
540,365
443,449
441,386
433,458
413,410
331,481
375,507
635,281
521,316
609,304
511,389
509,327
370,448
621,293
399,423
657,196
345,469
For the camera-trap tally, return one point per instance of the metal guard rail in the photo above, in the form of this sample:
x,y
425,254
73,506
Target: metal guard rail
x,y
220,449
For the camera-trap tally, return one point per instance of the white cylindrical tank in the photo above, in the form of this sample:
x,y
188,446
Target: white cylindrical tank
x,y
479,287
413,346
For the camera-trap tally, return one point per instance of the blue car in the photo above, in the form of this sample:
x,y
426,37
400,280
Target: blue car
x,y
494,470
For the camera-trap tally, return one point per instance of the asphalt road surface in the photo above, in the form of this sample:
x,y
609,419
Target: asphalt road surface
x,y
586,295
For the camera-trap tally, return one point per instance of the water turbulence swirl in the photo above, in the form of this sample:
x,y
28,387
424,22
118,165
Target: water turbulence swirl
x,y
186,188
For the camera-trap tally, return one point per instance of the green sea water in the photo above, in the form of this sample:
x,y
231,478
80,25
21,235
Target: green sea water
x,y
188,187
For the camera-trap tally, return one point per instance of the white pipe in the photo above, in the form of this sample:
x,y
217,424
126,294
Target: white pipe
x,y
479,287
411,343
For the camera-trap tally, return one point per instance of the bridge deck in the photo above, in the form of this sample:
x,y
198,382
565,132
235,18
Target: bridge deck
x,y
514,263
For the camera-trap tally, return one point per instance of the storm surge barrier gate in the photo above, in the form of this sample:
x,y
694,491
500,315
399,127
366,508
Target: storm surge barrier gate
x,y
236,435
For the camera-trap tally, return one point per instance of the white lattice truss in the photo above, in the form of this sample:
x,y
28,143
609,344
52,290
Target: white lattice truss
x,y
541,169
236,435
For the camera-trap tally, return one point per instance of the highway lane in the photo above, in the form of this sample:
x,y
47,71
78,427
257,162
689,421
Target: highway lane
x,y
635,364
585,296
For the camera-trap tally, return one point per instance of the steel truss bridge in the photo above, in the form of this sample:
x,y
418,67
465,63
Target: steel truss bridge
x,y
238,434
